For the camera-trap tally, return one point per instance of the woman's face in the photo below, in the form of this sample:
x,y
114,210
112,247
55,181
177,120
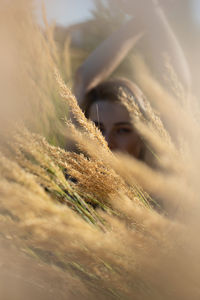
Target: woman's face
x,y
114,121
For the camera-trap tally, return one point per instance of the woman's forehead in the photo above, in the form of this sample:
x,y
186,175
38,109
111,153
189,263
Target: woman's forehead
x,y
104,110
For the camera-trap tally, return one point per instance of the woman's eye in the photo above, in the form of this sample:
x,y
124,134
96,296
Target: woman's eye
x,y
123,130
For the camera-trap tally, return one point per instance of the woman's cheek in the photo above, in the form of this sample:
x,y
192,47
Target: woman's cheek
x,y
125,143
133,146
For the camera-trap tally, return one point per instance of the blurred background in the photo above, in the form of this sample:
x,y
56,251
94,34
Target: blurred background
x,y
82,25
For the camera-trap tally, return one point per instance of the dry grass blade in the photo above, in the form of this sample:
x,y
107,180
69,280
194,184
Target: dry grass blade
x,y
79,116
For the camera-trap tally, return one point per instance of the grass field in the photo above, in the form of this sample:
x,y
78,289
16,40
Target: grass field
x,y
90,224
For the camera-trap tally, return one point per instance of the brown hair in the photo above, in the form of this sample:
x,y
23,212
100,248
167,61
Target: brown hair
x,y
111,91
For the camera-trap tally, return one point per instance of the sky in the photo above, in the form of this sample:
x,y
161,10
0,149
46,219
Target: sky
x,y
197,10
67,12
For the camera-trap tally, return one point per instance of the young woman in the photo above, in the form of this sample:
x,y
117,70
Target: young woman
x,y
104,106
101,99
